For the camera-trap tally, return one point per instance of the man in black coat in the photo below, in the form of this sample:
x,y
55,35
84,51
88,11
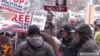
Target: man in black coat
x,y
35,45
65,37
82,42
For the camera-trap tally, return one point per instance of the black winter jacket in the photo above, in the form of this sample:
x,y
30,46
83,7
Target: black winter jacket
x,y
35,48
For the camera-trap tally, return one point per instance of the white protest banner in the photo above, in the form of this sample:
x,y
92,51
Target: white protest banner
x,y
22,19
39,19
19,6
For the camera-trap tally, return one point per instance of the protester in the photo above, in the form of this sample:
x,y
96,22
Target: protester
x,y
82,41
66,38
20,37
49,27
72,22
35,45
5,46
53,41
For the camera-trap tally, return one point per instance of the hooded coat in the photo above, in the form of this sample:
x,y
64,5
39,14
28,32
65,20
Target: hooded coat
x,y
34,47
75,49
85,45
53,41
65,41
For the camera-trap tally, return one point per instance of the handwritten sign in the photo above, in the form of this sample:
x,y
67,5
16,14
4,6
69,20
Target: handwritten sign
x,y
39,19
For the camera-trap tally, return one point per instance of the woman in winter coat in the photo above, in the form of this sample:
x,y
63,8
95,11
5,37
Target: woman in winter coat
x,y
35,45
53,41
66,38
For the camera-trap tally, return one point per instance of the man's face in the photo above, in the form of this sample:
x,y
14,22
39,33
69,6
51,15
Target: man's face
x,y
72,22
49,18
76,37
97,28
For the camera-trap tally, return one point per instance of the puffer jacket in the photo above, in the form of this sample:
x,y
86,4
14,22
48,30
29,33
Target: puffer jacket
x,y
34,47
88,47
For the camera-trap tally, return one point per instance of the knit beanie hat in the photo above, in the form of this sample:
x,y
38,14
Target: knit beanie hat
x,y
84,30
33,30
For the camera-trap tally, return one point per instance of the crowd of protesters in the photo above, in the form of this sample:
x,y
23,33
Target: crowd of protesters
x,y
71,39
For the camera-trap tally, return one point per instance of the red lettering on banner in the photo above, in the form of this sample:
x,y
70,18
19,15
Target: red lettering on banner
x,y
18,1
21,1
15,1
14,18
56,8
27,17
21,18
